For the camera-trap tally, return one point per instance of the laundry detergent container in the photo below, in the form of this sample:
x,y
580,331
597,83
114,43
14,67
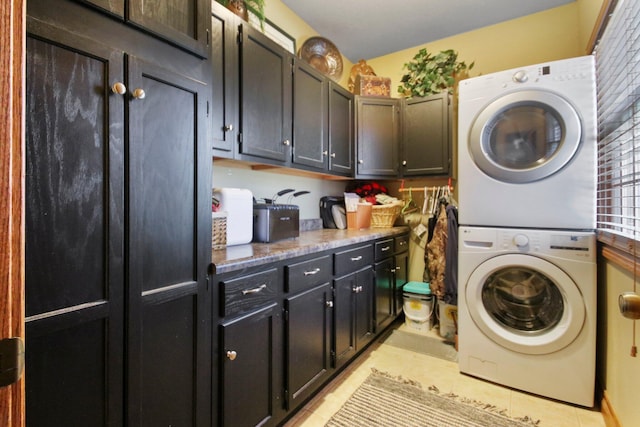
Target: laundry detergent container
x,y
418,306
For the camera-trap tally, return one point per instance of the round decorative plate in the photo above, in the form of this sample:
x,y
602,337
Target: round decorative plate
x,y
323,55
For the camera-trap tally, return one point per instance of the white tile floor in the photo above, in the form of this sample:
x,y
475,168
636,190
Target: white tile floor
x,y
446,376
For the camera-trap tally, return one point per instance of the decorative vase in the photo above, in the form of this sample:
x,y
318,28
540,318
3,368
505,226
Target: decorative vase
x,y
238,7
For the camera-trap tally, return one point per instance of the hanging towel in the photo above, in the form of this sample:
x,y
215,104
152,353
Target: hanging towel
x,y
451,257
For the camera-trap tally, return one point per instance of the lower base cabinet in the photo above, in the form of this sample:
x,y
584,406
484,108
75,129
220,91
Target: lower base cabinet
x,y
248,368
286,328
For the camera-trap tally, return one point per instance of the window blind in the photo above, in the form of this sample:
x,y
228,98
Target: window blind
x,y
618,87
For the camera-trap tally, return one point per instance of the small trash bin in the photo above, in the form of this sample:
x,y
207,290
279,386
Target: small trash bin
x,y
418,306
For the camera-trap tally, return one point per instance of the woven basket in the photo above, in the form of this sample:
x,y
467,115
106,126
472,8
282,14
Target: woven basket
x,y
218,230
383,216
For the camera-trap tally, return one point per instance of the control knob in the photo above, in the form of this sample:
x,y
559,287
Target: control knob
x,y
520,240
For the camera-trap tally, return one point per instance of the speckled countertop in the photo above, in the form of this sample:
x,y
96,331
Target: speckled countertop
x,y
252,254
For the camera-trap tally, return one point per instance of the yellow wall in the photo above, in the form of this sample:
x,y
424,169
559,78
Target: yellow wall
x,y
540,37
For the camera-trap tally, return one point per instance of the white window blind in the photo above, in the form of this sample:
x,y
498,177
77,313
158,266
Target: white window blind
x,y
618,82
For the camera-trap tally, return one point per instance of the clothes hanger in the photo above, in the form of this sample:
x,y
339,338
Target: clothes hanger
x,y
410,206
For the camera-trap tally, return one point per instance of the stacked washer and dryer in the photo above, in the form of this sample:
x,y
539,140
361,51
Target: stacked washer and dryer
x,y
527,251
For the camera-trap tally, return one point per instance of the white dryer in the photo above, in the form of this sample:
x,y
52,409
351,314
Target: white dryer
x,y
527,310
527,147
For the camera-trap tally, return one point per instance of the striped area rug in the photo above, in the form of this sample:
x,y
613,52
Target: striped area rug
x,y
386,401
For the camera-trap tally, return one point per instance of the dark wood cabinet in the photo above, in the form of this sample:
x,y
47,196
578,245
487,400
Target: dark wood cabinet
x,y
384,289
74,229
353,313
183,23
224,81
118,223
265,99
341,141
310,114
307,342
248,367
377,137
426,135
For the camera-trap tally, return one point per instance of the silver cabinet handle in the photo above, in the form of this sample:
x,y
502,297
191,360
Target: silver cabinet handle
x,y
119,88
357,289
396,269
254,290
139,93
361,161
358,258
231,355
386,248
333,155
228,128
329,304
286,142
312,272
404,163
325,153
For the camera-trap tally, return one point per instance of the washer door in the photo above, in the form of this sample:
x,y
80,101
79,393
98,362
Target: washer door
x,y
525,136
525,304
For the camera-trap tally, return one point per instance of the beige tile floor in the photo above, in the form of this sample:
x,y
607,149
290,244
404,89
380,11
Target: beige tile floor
x,y
444,375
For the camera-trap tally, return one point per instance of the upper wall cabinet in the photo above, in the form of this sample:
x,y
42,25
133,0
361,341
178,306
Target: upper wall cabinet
x,y
377,137
180,22
426,136
265,98
224,81
340,130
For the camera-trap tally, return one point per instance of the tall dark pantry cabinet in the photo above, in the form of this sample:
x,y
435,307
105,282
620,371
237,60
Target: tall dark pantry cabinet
x,y
118,222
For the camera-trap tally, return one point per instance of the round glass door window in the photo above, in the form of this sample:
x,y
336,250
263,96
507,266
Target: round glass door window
x,y
525,136
523,299
525,303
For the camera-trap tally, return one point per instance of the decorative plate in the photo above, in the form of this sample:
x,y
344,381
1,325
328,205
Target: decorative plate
x,y
323,55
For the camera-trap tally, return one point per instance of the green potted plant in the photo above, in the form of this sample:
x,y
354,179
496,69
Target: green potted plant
x,y
240,8
428,74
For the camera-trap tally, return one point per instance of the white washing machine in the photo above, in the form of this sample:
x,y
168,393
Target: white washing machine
x,y
527,147
527,310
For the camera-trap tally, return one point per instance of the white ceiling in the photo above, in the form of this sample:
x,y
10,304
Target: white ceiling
x,y
365,29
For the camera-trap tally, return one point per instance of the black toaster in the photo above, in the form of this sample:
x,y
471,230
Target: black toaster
x,y
272,222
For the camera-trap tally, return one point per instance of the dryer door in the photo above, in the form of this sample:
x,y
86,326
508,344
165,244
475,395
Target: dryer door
x,y
525,304
525,136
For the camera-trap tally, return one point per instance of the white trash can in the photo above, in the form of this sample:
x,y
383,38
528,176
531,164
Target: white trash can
x,y
418,306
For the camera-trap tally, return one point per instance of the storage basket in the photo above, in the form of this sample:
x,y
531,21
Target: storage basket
x,y
383,216
218,230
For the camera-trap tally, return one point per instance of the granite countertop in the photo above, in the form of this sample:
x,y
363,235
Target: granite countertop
x,y
238,257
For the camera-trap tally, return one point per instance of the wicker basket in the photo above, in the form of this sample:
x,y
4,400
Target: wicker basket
x,y
218,230
384,216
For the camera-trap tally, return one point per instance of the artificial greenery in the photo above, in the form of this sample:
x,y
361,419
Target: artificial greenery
x,y
254,6
430,74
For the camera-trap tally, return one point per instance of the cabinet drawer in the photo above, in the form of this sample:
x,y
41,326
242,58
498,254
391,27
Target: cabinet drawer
x,y
306,274
384,249
402,243
353,259
248,292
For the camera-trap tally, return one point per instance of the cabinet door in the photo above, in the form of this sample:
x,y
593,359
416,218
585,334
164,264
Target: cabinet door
x,y
224,81
377,123
340,130
401,277
310,139
169,248
344,295
384,293
247,370
307,345
265,108
184,23
363,311
426,135
74,230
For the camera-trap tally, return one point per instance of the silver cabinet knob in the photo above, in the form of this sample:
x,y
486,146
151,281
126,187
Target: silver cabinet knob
x,y
286,142
404,163
329,304
119,88
228,128
333,155
231,355
361,161
139,93
325,152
